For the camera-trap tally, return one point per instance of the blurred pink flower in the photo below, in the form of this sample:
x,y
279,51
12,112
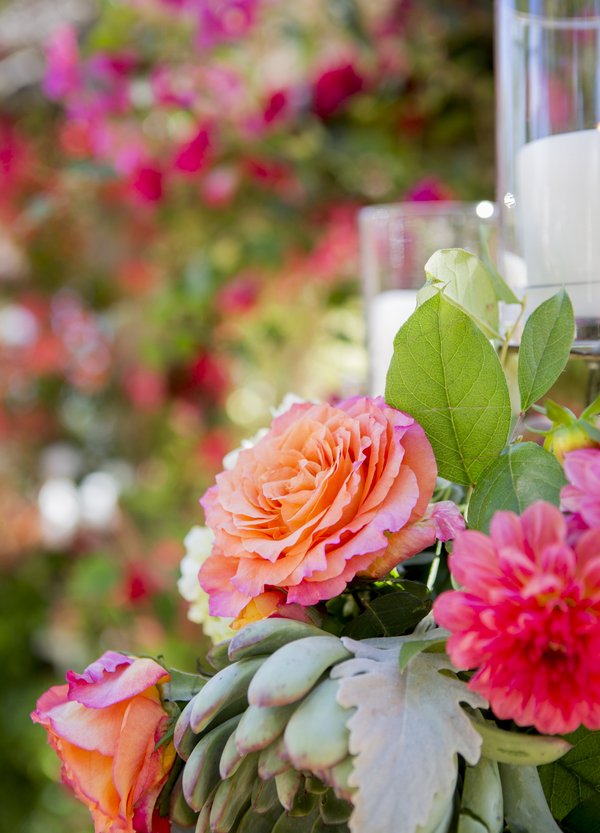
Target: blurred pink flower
x,y
239,295
191,156
276,106
315,502
582,495
528,619
220,21
145,388
334,87
63,74
107,87
336,252
173,86
429,189
147,183
210,376
219,186
15,161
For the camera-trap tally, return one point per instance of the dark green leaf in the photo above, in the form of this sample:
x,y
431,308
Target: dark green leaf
x,y
446,374
576,776
585,818
522,474
390,615
545,345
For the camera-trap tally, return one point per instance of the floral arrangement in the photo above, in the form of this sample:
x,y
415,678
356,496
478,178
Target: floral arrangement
x,y
158,295
412,595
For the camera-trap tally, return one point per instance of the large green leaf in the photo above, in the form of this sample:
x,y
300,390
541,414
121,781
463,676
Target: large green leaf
x,y
521,475
465,282
574,778
545,346
446,374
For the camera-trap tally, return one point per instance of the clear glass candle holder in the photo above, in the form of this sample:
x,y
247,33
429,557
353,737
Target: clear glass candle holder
x,y
548,148
396,241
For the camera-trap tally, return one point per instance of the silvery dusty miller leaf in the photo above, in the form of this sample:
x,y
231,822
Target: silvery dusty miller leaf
x,y
406,733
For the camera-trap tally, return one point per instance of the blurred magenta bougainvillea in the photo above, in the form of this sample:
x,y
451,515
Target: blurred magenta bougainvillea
x,y
178,249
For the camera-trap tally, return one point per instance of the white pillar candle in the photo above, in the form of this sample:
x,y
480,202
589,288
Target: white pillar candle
x,y
559,218
387,312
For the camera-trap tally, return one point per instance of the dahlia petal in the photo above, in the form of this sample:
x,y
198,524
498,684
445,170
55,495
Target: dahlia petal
x,y
474,561
543,525
528,620
506,531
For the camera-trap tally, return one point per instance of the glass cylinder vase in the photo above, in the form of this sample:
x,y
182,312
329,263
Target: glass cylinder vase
x,y
548,150
396,241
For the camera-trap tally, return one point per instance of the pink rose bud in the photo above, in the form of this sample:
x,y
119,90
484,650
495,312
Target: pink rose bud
x,y
104,726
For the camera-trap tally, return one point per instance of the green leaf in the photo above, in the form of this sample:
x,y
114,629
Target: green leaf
x,y
585,818
522,474
389,615
575,777
182,686
545,345
590,430
434,641
558,413
593,409
446,374
465,282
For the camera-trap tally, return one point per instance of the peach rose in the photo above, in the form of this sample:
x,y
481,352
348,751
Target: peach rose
x,y
104,725
317,500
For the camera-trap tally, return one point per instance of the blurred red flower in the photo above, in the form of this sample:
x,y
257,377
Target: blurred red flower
x,y
430,189
191,156
276,106
147,183
334,87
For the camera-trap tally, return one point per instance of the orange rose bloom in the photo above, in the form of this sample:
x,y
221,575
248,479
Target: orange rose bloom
x,y
319,499
104,725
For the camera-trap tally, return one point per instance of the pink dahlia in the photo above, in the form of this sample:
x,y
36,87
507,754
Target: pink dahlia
x,y
582,495
528,619
317,500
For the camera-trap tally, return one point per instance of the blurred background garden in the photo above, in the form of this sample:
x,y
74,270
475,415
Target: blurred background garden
x,y
179,183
